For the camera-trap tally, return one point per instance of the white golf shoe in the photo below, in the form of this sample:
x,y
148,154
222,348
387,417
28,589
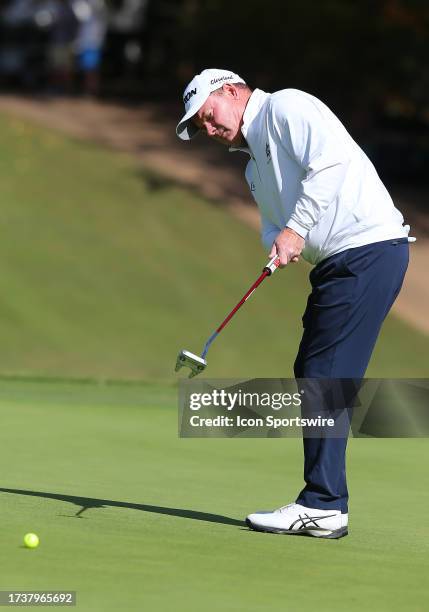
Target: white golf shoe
x,y
295,519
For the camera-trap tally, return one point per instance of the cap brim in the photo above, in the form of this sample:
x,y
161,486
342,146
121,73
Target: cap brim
x,y
186,128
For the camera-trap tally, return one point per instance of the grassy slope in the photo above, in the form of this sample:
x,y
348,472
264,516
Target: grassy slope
x,y
105,272
120,443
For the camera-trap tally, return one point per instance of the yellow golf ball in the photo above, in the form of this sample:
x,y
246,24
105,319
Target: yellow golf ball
x,y
31,540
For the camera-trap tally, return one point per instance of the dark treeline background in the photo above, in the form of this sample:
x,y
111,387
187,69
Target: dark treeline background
x,y
356,53
367,59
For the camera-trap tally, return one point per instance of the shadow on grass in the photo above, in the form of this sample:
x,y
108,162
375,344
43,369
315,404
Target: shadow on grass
x,y
86,503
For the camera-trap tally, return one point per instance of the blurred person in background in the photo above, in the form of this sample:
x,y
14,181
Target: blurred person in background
x,y
23,37
61,50
93,17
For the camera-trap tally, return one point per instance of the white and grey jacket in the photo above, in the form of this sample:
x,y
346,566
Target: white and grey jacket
x,y
307,173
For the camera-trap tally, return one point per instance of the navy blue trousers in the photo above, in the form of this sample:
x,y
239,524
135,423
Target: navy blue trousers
x,y
352,292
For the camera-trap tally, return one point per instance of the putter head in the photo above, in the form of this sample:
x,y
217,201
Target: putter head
x,y
189,360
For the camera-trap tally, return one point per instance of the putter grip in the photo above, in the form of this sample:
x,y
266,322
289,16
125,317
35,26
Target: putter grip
x,y
272,265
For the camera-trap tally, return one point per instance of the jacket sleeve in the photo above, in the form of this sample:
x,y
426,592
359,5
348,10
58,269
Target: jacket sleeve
x,y
269,232
297,125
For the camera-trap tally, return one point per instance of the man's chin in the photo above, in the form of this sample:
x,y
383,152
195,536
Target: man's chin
x,y
235,141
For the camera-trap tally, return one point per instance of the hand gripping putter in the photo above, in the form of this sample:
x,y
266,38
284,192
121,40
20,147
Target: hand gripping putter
x,y
198,364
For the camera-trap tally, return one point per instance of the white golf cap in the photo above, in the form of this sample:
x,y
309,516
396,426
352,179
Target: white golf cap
x,y
197,92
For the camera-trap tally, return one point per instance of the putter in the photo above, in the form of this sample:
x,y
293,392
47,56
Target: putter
x,y
198,364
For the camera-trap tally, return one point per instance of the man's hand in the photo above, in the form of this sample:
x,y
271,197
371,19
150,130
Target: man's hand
x,y
287,246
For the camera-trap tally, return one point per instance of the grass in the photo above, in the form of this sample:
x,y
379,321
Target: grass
x,y
105,272
133,518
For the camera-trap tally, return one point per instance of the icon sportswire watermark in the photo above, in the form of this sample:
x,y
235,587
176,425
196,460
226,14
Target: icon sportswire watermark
x,y
304,407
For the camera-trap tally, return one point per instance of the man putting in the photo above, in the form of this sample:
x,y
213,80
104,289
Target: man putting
x,y
319,196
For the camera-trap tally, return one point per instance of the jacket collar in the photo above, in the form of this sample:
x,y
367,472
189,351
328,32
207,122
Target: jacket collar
x,y
253,106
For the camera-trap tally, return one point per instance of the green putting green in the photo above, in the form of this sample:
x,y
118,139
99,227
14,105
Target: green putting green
x,y
133,518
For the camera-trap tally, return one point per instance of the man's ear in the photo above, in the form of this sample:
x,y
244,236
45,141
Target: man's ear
x,y
229,89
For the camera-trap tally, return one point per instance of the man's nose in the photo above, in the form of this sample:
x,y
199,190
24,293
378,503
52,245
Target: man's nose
x,y
210,130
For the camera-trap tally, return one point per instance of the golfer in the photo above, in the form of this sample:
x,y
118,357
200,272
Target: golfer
x,y
319,198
